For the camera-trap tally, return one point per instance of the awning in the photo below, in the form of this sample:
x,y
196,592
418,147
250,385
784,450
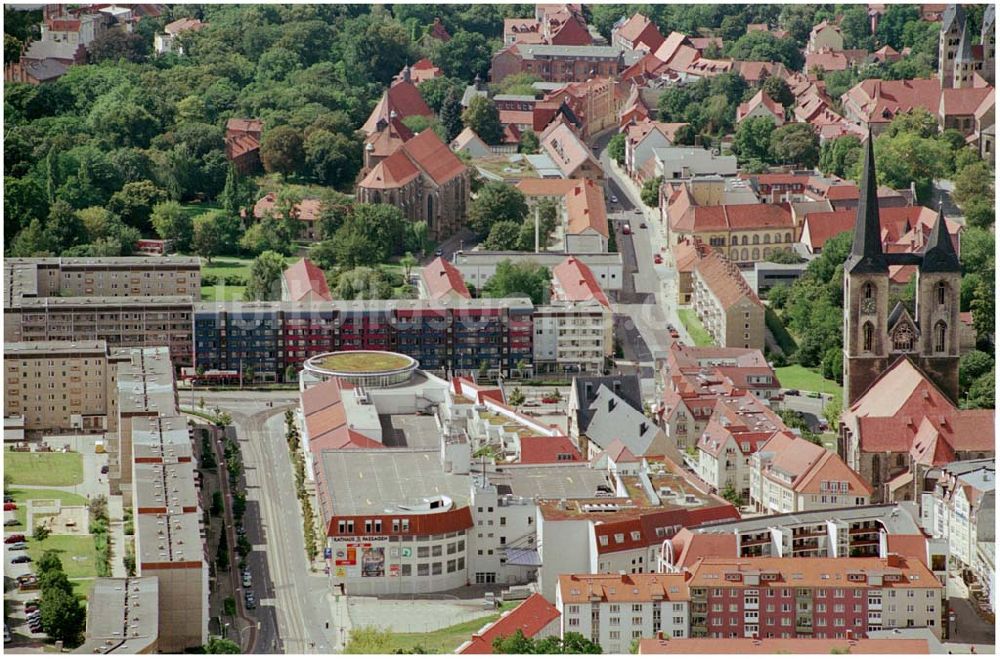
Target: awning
x,y
523,557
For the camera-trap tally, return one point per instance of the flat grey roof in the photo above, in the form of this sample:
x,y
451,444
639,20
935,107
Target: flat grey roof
x,y
894,517
180,543
101,262
55,347
166,438
169,487
122,616
146,381
113,301
576,481
371,480
410,431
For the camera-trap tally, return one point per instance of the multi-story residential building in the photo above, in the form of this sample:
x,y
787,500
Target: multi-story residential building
x,y
811,597
726,305
569,152
595,103
739,426
304,281
641,138
271,336
441,280
553,63
622,529
825,36
614,610
855,531
761,105
798,646
581,212
573,332
583,393
425,180
128,301
790,474
401,100
636,32
167,42
58,385
957,498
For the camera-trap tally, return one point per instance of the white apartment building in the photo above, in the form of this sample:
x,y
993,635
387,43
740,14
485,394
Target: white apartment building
x,y
954,509
573,337
614,610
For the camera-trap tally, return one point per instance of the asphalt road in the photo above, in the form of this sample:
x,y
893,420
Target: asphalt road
x,y
292,600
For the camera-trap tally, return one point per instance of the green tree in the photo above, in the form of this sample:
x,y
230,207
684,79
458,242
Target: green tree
x,y
516,398
213,234
263,283
270,233
464,56
917,120
570,643
795,143
363,283
135,201
972,366
765,47
779,91
483,118
650,192
975,183
838,157
528,142
616,148
892,24
408,262
908,158
436,90
982,392
753,139
238,193
855,24
333,159
63,618
172,223
115,45
216,509
518,280
221,646
451,116
496,202
504,236
281,150
49,561
730,494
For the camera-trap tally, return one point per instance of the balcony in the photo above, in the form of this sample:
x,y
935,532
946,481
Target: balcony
x,y
751,616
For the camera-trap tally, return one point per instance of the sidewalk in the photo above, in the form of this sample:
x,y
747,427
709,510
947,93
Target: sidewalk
x,y
340,614
118,546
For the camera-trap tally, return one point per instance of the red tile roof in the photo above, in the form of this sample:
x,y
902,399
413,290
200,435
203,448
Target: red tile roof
x,y
813,572
724,279
64,25
326,420
530,617
449,521
442,278
964,101
305,281
880,100
404,99
545,187
577,283
548,450
385,142
434,157
308,210
908,545
639,29
585,208
760,98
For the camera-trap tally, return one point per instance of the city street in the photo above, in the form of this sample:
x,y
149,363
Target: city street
x,y
293,604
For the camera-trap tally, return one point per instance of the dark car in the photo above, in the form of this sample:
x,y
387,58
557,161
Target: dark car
x,y
30,608
438,252
24,558
642,225
792,392
104,469
7,499
11,522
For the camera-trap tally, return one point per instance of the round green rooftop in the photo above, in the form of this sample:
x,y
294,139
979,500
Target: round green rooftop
x,y
363,362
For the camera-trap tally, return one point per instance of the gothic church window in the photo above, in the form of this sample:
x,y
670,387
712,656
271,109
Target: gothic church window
x,y
868,332
940,331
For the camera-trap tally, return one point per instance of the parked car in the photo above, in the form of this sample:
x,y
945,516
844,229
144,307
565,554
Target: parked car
x,y
642,225
674,334
247,579
549,400
792,392
530,403
23,558
11,539
8,499
104,469
11,522
10,506
250,600
18,546
657,259
29,608
614,199
438,252
627,230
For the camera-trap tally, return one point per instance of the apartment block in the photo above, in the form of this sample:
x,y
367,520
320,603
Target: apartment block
x,y
57,385
122,617
958,504
726,305
812,597
127,302
271,336
613,610
169,536
571,337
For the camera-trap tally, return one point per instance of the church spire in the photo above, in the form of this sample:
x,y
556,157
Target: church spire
x,y
939,254
866,250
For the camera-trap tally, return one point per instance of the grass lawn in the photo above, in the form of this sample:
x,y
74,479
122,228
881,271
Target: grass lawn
x,y
194,210
222,293
829,440
226,265
805,379
444,641
44,468
698,333
81,587
22,496
76,552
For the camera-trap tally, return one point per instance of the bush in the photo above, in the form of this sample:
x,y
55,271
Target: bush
x,y
209,280
235,280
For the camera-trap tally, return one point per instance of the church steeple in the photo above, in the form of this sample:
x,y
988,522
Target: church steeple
x,y
866,250
939,254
